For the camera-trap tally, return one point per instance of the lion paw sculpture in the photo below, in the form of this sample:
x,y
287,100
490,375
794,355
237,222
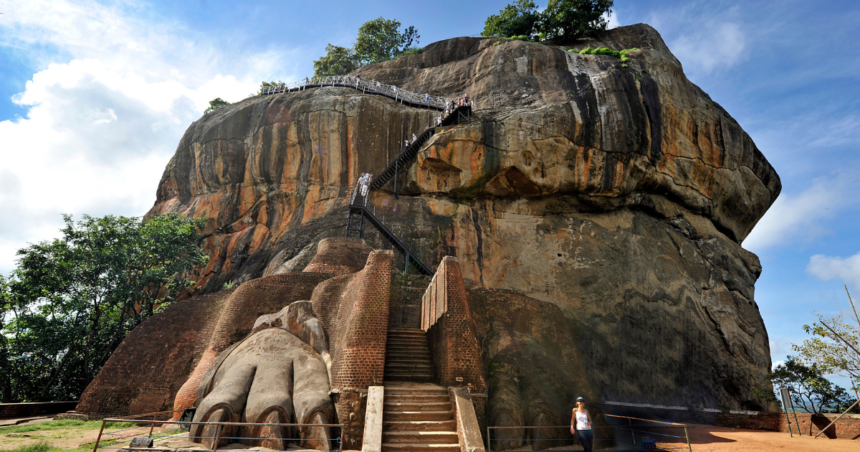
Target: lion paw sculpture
x,y
279,374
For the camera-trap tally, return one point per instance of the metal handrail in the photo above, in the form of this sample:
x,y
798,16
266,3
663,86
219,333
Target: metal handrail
x,y
371,86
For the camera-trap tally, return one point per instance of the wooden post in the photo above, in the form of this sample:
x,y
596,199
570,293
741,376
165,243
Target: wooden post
x,y
689,447
99,438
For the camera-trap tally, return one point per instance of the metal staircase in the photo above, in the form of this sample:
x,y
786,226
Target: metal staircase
x,y
405,157
359,215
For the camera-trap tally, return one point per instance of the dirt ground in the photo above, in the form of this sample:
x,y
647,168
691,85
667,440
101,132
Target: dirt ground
x,y
707,438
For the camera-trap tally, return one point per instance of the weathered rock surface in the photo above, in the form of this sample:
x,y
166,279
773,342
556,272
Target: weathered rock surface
x,y
614,198
271,377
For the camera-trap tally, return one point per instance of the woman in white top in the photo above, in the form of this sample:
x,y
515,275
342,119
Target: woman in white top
x,y
580,425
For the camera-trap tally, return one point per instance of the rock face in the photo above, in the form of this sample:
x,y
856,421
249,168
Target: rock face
x,y
609,200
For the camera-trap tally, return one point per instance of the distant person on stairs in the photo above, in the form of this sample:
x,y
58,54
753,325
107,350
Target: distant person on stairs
x,y
414,138
580,425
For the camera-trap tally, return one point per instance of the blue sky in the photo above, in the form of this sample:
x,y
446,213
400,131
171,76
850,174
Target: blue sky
x,y
94,97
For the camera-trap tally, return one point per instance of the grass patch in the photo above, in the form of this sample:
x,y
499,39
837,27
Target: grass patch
x,y
64,424
38,447
606,51
412,51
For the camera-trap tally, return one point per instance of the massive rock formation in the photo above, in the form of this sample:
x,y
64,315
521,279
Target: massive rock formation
x,y
597,209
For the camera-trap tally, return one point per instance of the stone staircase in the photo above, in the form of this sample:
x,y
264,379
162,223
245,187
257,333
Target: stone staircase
x,y
418,417
407,356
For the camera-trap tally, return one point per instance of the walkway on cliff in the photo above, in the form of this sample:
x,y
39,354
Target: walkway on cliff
x,y
366,87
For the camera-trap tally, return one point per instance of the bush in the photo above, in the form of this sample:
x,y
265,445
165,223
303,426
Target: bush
x,y
412,51
215,104
606,51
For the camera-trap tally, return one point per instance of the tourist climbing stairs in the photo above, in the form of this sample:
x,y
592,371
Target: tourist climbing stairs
x,y
418,417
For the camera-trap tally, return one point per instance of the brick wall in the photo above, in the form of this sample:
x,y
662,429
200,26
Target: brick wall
x,y
450,329
339,256
153,361
354,312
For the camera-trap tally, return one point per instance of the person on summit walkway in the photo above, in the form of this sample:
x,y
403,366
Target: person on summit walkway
x,y
580,425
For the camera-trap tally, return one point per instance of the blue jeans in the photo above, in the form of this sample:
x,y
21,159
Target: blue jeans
x,y
585,437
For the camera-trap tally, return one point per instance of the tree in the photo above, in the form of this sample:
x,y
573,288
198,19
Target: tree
x,y
336,61
834,346
809,389
517,19
215,104
380,40
570,19
71,301
264,85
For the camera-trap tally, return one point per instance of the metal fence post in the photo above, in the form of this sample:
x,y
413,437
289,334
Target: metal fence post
x,y
99,438
217,437
489,449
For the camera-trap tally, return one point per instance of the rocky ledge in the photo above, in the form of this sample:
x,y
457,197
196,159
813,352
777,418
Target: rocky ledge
x,y
612,196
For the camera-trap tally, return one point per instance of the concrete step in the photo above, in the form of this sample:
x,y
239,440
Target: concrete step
x,y
437,391
418,415
404,360
408,354
418,447
424,426
421,437
408,338
398,365
406,331
420,378
409,398
418,406
406,348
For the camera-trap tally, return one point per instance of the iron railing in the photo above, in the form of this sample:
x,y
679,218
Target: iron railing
x,y
639,436
161,431
368,86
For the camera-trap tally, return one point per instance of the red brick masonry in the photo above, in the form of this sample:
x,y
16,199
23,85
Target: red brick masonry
x,y
450,329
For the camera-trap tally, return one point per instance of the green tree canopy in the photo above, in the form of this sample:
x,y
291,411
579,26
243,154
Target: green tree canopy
x,y
71,301
381,39
570,19
215,104
336,61
809,389
517,19
834,346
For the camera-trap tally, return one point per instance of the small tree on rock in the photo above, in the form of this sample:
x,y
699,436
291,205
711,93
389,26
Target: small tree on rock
x,y
336,61
380,39
215,104
569,19
517,19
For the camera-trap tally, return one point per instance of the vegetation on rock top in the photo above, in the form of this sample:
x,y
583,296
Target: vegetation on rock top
x,y
561,20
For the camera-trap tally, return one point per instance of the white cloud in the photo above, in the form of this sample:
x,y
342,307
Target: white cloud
x,y
612,20
825,268
106,111
714,45
703,37
804,216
